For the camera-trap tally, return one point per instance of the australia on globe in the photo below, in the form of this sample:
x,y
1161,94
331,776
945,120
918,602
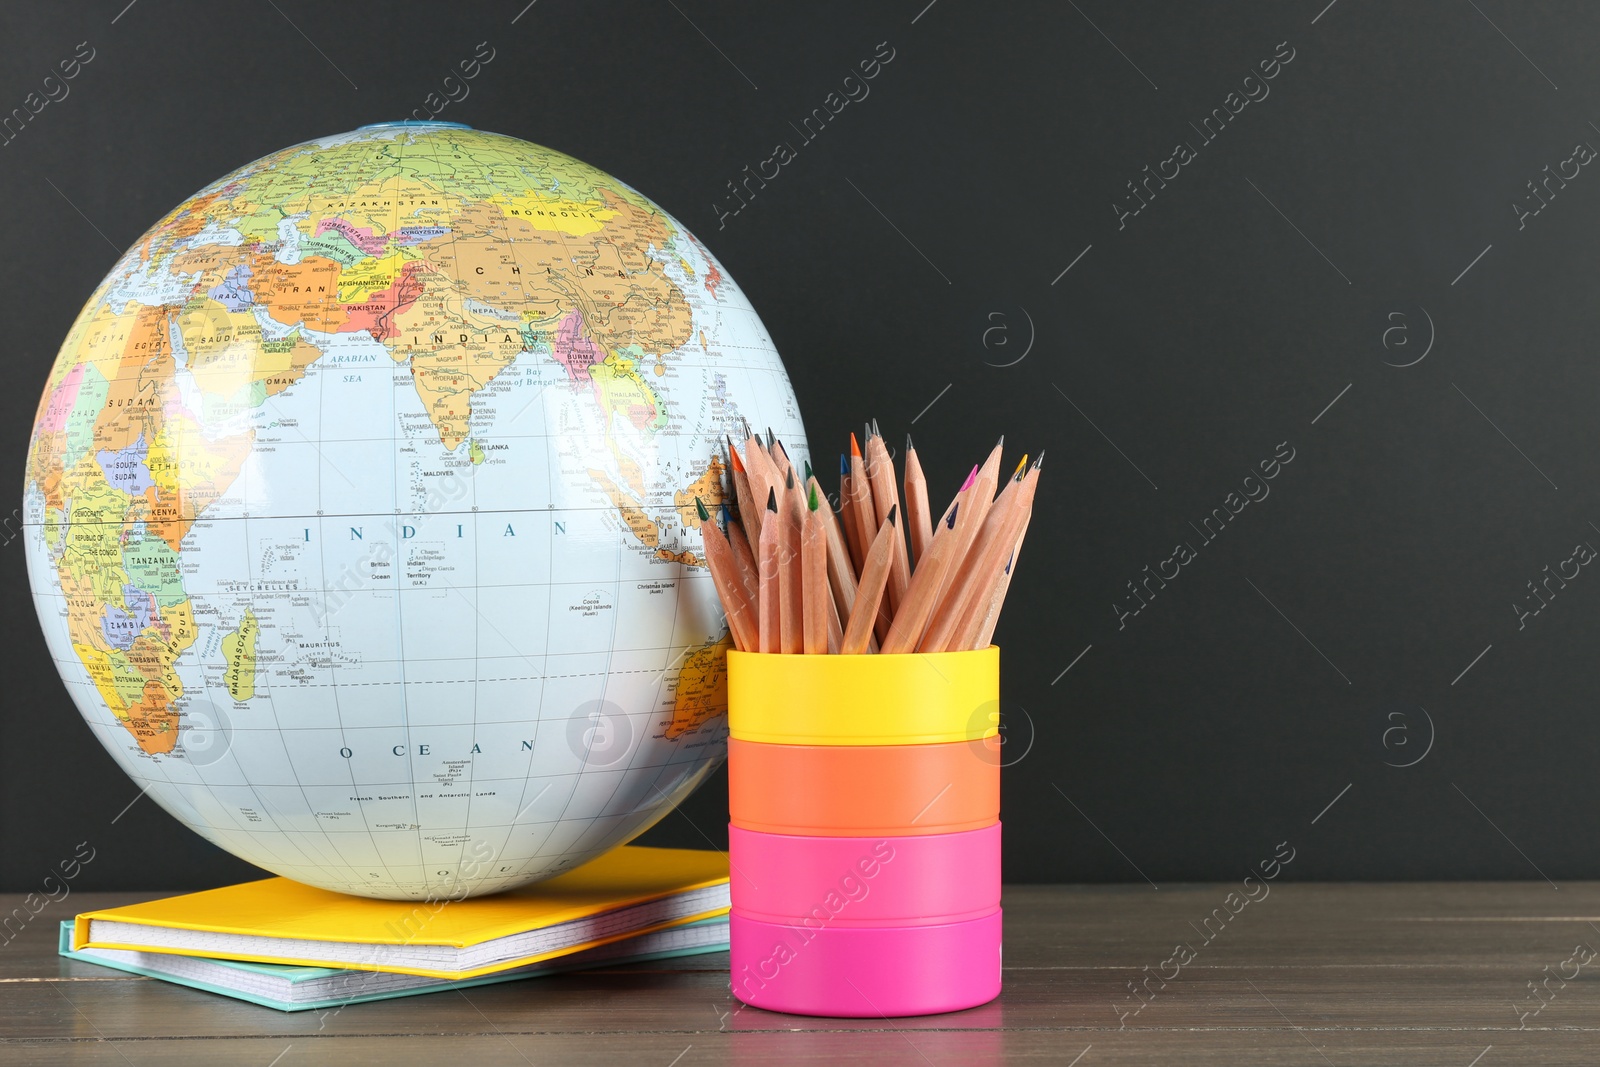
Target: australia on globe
x,y
360,510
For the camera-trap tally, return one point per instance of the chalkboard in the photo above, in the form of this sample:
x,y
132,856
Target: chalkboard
x,y
1296,297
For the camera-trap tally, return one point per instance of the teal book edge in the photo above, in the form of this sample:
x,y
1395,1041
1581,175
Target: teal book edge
x,y
290,988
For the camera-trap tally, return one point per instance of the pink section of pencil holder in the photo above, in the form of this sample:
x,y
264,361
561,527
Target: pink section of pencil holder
x,y
819,882
865,972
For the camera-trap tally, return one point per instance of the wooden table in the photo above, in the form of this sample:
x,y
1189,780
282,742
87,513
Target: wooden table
x,y
1311,974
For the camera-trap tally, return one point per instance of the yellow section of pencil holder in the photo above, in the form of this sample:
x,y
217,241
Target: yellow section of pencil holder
x,y
920,698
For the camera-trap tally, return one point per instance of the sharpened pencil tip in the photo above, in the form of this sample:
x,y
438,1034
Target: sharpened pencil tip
x,y
727,517
771,437
1039,462
700,509
909,446
950,523
733,458
1002,442
1022,465
772,500
855,447
808,469
894,511
844,464
788,479
970,479
813,501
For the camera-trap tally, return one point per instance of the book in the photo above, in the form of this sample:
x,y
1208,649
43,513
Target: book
x,y
626,892
290,988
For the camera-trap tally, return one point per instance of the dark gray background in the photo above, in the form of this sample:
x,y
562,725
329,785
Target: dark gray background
x,y
1303,653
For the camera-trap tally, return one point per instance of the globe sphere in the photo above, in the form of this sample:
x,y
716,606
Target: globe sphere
x,y
360,509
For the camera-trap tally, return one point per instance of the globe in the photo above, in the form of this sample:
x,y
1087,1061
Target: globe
x,y
360,510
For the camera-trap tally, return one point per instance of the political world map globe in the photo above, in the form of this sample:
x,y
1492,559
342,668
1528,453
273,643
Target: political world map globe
x,y
360,510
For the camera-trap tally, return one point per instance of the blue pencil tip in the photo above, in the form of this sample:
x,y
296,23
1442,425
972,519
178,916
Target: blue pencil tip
x,y
844,463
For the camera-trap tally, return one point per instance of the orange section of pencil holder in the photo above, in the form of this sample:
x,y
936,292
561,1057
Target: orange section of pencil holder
x,y
864,790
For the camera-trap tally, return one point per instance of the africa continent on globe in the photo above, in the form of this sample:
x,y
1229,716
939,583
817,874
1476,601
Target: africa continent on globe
x,y
360,510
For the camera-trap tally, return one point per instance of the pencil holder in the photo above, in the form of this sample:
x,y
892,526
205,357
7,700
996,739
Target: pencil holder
x,y
864,842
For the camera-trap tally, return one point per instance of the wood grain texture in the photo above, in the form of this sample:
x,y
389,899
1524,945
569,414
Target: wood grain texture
x,y
1310,974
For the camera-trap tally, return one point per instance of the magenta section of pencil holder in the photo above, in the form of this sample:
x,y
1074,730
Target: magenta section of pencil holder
x,y
818,882
865,971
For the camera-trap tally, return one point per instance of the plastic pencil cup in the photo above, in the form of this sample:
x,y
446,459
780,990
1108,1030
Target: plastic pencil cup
x,y
864,843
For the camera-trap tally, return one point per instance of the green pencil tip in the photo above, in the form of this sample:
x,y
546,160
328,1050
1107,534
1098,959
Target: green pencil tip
x,y
813,500
705,516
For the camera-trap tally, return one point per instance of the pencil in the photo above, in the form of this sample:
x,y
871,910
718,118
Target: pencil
x,y
919,524
869,595
861,504
743,493
736,604
841,573
744,559
767,602
997,597
947,612
847,518
817,604
885,496
912,618
968,598
979,498
790,594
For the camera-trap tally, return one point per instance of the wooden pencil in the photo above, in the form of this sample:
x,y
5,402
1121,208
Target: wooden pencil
x,y
847,518
968,599
861,504
919,523
816,606
885,496
906,629
997,598
736,603
743,492
767,606
869,594
790,594
947,611
979,498
744,558
841,573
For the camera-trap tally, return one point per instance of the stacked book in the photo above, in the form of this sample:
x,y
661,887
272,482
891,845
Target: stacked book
x,y
289,946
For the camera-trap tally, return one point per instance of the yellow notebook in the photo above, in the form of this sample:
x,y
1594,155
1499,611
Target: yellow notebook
x,y
626,892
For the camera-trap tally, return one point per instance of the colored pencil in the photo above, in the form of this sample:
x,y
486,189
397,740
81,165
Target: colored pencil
x,y
841,573
919,524
869,595
962,612
767,606
817,601
736,603
847,517
886,496
909,622
880,574
743,492
948,611
790,595
997,598
744,559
